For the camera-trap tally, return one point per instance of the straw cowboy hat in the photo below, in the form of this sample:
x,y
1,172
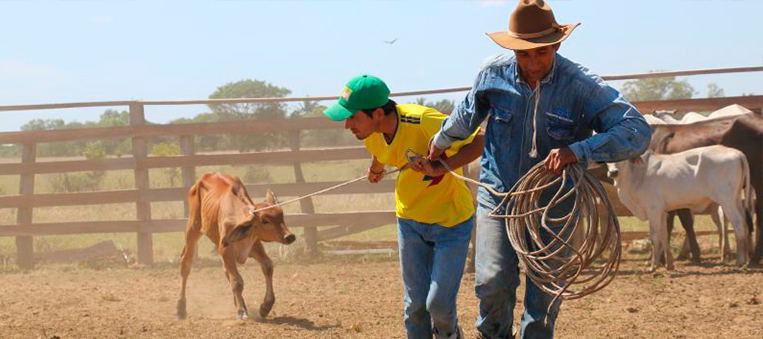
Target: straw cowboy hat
x,y
532,25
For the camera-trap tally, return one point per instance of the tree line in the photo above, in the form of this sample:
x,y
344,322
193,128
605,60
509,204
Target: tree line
x,y
634,90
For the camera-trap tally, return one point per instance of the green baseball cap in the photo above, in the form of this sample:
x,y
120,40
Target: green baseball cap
x,y
362,92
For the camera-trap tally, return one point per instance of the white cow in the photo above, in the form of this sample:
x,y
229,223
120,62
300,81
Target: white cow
x,y
654,184
663,117
717,215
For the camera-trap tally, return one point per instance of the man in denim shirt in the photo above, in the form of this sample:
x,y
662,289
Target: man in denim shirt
x,y
539,105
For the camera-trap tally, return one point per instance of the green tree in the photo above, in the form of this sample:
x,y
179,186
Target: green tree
x,y
664,88
444,106
305,108
172,174
325,137
259,110
53,148
112,117
43,124
205,142
713,91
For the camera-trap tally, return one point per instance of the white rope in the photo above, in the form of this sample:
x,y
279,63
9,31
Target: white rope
x,y
322,191
534,151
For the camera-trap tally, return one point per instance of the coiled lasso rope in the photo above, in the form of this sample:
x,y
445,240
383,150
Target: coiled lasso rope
x,y
566,266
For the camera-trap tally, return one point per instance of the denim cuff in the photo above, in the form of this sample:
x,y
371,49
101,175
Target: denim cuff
x,y
441,140
581,151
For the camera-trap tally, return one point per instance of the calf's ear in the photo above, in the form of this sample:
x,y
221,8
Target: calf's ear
x,y
270,198
239,232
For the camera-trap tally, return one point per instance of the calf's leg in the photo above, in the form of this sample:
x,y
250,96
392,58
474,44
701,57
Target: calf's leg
x,y
735,213
258,253
236,282
654,232
192,236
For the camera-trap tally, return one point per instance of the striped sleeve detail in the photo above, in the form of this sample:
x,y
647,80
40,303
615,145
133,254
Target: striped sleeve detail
x,y
410,119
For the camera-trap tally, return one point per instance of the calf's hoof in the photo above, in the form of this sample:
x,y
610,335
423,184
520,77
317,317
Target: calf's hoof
x,y
181,314
243,315
265,310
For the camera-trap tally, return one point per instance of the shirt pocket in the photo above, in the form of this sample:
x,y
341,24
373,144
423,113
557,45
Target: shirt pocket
x,y
560,128
500,124
501,114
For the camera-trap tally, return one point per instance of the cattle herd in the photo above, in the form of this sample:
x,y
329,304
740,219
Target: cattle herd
x,y
733,127
694,164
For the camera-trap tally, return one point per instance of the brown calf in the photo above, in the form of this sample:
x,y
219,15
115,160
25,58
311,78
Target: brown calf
x,y
220,208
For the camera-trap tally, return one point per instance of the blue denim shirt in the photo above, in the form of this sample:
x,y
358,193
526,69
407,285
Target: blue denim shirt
x,y
573,103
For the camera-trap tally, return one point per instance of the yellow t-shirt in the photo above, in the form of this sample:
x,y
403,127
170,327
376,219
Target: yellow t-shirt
x,y
444,200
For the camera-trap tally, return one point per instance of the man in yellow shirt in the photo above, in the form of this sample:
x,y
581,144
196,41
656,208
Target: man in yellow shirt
x,y
434,209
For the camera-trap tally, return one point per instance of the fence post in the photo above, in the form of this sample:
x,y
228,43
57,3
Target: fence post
x,y
139,151
25,244
189,173
306,205
187,148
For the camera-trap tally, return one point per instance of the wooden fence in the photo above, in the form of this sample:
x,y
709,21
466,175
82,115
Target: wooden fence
x,y
316,225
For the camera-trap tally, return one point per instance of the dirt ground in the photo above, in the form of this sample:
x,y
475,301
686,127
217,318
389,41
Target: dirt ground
x,y
359,297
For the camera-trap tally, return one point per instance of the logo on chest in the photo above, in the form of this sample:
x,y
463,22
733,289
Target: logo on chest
x,y
435,180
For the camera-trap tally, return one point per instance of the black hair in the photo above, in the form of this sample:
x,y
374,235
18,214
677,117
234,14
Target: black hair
x,y
388,108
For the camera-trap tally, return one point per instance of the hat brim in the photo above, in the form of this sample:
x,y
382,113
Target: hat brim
x,y
339,112
507,41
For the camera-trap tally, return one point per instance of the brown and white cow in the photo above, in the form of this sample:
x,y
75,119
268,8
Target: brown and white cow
x,y
220,208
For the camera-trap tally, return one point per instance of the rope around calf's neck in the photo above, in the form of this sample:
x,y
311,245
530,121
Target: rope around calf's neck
x,y
556,267
323,191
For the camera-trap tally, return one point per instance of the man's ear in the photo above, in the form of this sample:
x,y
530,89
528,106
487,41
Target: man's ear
x,y
270,198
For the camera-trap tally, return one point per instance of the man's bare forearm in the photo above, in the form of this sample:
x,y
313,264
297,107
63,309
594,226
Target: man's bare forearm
x,y
467,153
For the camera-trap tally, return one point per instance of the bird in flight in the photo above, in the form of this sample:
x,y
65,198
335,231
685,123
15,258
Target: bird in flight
x,y
391,41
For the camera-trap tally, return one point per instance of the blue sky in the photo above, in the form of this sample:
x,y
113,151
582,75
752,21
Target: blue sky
x,y
72,51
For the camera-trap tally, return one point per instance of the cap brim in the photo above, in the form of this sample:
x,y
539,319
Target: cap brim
x,y
339,112
507,41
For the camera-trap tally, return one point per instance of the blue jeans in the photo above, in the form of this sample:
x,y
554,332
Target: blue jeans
x,y
496,281
432,262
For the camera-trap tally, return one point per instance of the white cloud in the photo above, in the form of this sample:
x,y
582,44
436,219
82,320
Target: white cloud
x,y
102,19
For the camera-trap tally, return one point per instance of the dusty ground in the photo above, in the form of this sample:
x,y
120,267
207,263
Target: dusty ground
x,y
358,298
